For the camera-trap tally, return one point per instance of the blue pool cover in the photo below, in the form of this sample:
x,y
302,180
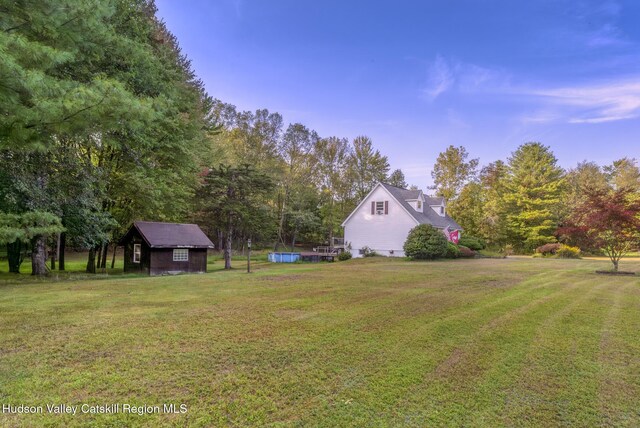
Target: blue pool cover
x,y
284,257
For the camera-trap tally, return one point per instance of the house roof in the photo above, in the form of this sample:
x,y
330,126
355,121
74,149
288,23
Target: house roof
x,y
434,200
170,235
427,216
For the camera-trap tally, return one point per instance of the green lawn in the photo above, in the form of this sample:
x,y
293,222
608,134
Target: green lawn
x,y
375,342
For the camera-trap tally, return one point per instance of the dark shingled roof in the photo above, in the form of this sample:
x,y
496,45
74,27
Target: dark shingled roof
x,y
429,216
171,235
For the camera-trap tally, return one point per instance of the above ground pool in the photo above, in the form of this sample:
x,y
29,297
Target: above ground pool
x,y
284,257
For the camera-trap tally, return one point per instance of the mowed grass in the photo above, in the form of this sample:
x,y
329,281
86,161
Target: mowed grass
x,y
374,342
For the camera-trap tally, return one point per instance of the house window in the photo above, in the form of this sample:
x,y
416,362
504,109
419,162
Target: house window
x,y
380,207
137,252
441,210
180,255
419,205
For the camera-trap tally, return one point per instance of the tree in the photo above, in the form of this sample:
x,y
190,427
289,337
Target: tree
x,y
330,172
425,242
295,150
606,220
493,226
452,171
468,209
624,173
32,227
53,82
366,166
396,178
534,189
232,197
584,177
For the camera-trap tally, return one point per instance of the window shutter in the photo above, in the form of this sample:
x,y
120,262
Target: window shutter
x,y
386,207
373,207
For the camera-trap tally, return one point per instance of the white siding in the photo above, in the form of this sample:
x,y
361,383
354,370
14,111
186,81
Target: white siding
x,y
381,233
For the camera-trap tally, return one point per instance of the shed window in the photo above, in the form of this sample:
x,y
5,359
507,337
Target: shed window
x,y
180,255
137,251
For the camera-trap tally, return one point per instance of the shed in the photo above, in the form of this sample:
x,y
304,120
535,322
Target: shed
x,y
159,248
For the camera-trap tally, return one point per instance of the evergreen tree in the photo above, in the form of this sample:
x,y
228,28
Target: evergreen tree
x,y
396,178
534,189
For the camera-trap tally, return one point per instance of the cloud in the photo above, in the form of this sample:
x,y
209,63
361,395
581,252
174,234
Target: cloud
x,y
445,75
440,78
588,103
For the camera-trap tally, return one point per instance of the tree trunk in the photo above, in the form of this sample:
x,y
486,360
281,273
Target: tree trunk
x,y
57,256
14,256
615,265
227,248
91,261
103,262
63,243
113,258
98,256
281,223
220,240
39,256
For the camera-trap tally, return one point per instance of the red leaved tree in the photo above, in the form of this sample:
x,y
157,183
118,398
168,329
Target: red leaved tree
x,y
607,220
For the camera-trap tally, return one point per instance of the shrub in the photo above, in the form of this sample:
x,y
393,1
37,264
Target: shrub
x,y
466,251
452,251
567,252
345,255
425,242
472,242
548,249
367,252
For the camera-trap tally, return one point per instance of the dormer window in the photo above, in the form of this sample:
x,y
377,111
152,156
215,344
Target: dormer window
x,y
441,210
419,204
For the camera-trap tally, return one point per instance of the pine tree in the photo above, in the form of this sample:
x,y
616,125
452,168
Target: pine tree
x,y
534,189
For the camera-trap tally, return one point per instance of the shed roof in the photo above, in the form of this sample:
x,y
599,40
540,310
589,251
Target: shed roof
x,y
170,235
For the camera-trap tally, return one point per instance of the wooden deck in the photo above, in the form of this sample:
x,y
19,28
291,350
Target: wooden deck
x,y
315,256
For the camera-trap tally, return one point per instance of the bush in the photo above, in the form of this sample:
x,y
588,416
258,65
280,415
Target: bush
x,y
425,242
567,252
367,252
548,249
466,252
472,242
345,255
452,251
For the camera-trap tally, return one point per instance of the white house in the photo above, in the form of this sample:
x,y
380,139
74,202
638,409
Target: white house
x,y
383,219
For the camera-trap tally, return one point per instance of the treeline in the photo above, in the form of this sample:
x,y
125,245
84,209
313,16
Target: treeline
x,y
524,202
103,121
313,183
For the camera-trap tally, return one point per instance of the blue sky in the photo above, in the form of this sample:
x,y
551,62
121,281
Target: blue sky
x,y
417,76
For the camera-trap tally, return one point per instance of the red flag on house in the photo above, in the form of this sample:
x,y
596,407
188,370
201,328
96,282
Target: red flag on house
x,y
454,236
